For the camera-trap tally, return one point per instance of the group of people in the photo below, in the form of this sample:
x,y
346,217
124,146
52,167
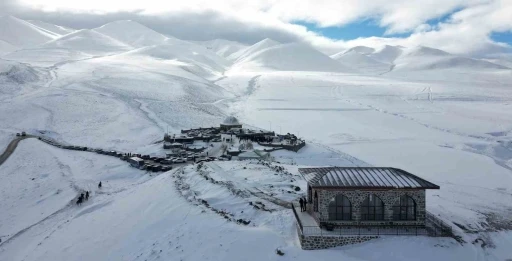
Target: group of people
x,y
84,197
303,204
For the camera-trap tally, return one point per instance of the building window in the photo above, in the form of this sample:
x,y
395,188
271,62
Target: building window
x,y
340,208
372,208
404,209
315,204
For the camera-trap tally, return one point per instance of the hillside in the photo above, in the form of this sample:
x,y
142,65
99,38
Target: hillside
x,y
56,29
426,58
289,57
246,52
20,33
361,62
387,54
88,41
131,33
222,47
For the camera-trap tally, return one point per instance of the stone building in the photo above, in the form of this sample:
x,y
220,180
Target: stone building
x,y
349,205
230,123
366,196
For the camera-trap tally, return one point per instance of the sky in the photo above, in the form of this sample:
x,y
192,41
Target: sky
x,y
472,27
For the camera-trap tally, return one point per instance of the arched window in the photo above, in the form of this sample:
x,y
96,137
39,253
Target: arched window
x,y
404,209
372,208
315,204
340,208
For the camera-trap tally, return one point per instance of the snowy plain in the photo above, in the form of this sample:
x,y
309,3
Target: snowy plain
x,y
445,118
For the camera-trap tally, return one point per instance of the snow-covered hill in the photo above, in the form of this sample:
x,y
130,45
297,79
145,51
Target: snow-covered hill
x,y
121,86
222,47
132,33
255,48
288,57
361,62
20,33
88,41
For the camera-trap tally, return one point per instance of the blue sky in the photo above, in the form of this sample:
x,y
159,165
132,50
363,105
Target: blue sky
x,y
369,27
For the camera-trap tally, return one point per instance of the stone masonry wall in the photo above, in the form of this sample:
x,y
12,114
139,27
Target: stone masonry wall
x,y
323,242
356,197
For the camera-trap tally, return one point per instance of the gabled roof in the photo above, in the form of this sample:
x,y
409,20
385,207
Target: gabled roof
x,y
363,177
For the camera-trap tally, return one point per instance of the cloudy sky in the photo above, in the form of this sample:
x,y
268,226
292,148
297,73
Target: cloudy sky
x,y
476,27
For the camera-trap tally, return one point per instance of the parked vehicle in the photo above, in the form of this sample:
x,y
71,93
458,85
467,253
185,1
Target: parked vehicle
x,y
23,134
18,134
136,162
179,160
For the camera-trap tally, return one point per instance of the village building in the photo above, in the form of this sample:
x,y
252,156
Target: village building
x,y
230,123
343,200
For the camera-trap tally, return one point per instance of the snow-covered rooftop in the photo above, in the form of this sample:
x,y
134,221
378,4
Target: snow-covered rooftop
x,y
368,177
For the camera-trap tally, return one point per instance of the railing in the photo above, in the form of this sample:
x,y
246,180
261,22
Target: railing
x,y
439,227
364,231
299,223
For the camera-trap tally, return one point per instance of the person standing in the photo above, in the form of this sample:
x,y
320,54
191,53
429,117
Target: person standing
x,y
99,185
301,202
87,195
305,204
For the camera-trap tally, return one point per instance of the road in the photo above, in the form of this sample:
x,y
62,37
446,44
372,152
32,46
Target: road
x,y
11,147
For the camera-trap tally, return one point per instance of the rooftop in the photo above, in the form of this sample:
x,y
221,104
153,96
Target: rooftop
x,y
363,177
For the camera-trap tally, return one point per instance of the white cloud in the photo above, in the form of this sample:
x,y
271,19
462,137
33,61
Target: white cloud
x,y
466,31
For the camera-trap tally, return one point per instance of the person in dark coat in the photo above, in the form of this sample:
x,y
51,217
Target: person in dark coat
x,y
99,185
305,204
301,202
82,196
87,195
79,201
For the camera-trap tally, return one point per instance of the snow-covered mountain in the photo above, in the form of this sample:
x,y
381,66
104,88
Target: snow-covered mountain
x,y
222,47
132,33
287,57
20,33
121,86
88,41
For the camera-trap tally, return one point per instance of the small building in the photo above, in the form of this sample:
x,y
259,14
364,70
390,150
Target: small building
x,y
376,200
230,123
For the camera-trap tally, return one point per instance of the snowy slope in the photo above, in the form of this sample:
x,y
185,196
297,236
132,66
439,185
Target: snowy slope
x,y
387,54
20,33
6,47
57,29
289,57
131,33
222,47
361,62
360,49
88,41
426,58
246,52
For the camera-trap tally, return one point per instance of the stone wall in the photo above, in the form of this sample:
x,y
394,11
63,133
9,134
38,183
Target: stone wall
x,y
356,197
323,242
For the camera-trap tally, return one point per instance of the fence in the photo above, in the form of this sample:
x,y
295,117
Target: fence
x,y
364,231
438,227
299,223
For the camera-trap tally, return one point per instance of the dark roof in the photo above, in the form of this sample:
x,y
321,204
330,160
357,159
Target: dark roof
x,y
363,177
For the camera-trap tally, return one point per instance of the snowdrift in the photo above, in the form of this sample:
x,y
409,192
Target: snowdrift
x,y
360,49
131,33
289,57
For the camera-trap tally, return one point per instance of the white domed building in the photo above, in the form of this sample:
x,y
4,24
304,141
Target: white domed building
x,y
230,123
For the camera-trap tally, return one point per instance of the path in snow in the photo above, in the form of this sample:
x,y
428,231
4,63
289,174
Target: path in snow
x,y
11,147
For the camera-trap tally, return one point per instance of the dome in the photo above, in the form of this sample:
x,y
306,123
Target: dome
x,y
231,121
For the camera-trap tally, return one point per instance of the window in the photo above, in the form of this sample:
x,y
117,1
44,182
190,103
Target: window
x,y
315,204
372,208
340,208
404,209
